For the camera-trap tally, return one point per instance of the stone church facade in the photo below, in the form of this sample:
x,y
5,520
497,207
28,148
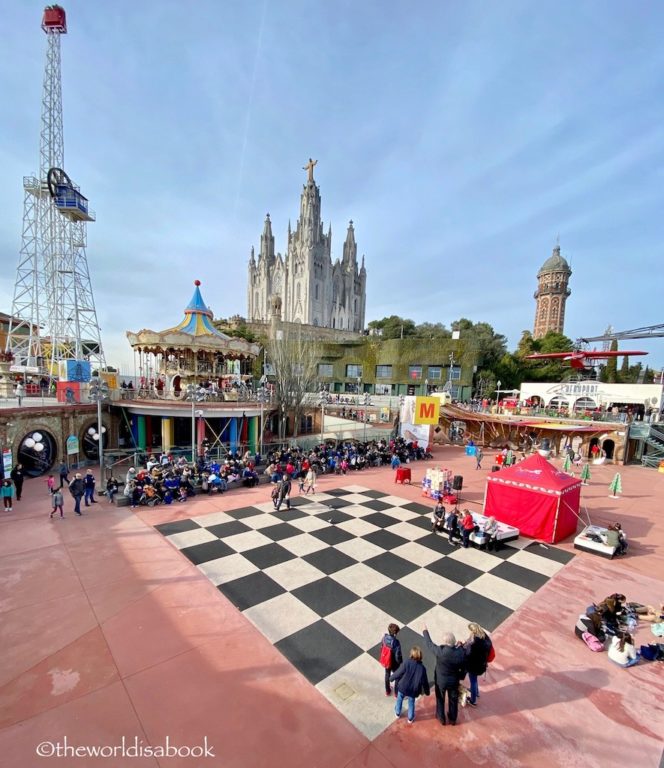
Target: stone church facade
x,y
305,286
551,295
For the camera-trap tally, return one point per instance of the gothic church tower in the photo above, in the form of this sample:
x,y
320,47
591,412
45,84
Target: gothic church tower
x,y
551,295
313,290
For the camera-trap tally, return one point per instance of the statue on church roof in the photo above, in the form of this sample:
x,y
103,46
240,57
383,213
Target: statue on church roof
x,y
310,168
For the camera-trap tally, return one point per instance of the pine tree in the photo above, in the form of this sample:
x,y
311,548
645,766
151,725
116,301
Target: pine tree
x,y
616,486
585,474
612,365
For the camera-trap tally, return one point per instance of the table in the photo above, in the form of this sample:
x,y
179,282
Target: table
x,y
402,475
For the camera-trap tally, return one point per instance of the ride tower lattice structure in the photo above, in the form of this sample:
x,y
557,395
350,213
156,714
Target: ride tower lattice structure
x,y
53,311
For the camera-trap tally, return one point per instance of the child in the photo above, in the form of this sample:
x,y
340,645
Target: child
x,y
182,493
311,480
57,501
7,492
395,658
50,483
300,482
411,680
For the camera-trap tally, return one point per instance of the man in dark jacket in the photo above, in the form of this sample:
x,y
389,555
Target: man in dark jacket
x,y
284,492
450,670
17,478
77,489
89,482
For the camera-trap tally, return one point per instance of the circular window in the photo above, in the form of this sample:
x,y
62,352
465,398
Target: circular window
x,y
90,442
36,452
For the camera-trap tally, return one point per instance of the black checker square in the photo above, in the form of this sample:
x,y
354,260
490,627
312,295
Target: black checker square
x,y
374,494
298,501
329,560
268,555
455,571
332,535
517,574
289,514
391,565
474,607
250,590
338,492
324,596
228,529
379,519
505,551
413,506
421,522
400,602
333,515
337,503
280,531
318,651
177,526
240,514
210,550
550,552
376,504
384,539
438,542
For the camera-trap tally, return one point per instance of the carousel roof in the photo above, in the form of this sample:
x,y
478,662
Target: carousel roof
x,y
196,331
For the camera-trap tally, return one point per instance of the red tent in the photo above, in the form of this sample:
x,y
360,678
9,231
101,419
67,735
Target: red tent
x,y
535,497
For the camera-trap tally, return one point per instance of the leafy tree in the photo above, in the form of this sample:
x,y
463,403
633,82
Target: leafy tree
x,y
394,327
432,331
624,370
611,369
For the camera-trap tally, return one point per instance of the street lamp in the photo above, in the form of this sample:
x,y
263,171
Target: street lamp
x,y
426,386
323,398
262,399
193,393
498,383
359,386
99,392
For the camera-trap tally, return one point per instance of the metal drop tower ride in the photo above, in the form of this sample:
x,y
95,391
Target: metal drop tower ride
x,y
53,311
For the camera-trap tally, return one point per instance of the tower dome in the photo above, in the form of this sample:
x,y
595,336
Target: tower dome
x,y
555,263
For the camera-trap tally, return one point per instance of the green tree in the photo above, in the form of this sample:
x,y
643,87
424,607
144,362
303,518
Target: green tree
x,y
611,369
394,327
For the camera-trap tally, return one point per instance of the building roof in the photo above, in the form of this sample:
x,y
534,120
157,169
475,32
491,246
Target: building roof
x,y
555,263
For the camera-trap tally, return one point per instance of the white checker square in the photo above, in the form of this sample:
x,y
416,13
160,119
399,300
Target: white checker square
x,y
356,498
483,561
408,531
358,527
242,542
500,591
404,515
361,579
313,509
536,563
228,568
430,585
359,622
367,708
359,549
355,488
264,506
358,510
260,521
191,538
321,498
416,553
439,620
294,573
309,524
281,616
214,518
397,501
302,545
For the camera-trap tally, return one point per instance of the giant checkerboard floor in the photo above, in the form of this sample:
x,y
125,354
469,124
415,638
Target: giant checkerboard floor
x,y
324,579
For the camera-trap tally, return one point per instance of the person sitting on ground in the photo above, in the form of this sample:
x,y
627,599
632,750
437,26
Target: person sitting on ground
x,y
622,651
612,611
438,517
615,538
590,622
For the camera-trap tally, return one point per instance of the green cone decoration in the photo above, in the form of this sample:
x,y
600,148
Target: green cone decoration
x,y
616,486
585,474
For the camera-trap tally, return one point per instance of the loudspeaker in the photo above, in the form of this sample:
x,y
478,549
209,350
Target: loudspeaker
x,y
495,468
457,482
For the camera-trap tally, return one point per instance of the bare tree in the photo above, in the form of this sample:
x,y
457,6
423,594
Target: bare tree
x,y
295,360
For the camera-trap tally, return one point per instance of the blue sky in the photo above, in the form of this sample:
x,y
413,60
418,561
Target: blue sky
x,y
461,137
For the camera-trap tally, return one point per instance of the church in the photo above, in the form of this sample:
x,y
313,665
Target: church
x,y
305,286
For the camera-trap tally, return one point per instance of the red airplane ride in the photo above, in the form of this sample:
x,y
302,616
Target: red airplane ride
x,y
578,357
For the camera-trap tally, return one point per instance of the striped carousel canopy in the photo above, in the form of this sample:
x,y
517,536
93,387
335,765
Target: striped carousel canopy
x,y
198,318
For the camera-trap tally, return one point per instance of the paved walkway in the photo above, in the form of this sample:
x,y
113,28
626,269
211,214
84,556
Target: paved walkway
x,y
108,632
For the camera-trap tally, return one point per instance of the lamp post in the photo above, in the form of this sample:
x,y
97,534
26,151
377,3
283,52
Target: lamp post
x,y
262,397
498,383
426,386
359,386
191,393
323,397
98,393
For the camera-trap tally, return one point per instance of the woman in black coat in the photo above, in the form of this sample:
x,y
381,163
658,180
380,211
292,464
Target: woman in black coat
x,y
17,477
477,649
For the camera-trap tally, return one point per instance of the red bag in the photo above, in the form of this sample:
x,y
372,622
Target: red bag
x,y
386,656
492,654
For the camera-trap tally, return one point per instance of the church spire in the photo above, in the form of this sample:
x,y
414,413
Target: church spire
x,y
267,240
350,247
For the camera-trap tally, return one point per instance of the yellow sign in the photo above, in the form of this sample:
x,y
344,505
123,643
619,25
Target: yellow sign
x,y
426,410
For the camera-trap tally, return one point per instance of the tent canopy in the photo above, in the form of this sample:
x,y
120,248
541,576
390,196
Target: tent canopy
x,y
535,497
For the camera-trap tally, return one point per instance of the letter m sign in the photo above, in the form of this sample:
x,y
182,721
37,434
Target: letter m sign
x,y
427,410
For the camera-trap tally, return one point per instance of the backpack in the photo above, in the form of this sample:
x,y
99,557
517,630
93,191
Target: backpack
x,y
650,652
491,655
658,629
592,642
385,656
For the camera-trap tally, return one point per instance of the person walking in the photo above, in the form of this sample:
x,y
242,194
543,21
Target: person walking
x,y
20,394
450,670
391,657
17,478
57,502
477,648
284,492
478,457
77,489
410,680
7,491
89,482
310,481
50,484
64,474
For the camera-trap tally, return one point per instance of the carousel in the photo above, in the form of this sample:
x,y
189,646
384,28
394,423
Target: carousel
x,y
192,353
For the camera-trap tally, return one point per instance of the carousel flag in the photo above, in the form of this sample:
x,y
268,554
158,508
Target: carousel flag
x,y
616,486
585,474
